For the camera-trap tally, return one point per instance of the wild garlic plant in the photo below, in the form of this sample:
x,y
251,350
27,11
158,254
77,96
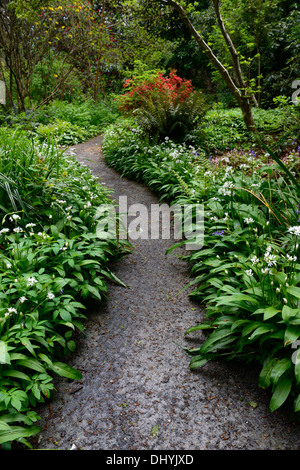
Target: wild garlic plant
x,y
247,273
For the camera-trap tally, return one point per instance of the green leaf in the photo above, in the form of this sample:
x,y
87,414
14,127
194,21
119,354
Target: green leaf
x,y
293,290
26,342
261,330
291,334
65,315
31,364
54,231
279,369
288,312
270,312
202,326
65,370
18,432
264,379
281,392
93,290
197,361
297,404
17,374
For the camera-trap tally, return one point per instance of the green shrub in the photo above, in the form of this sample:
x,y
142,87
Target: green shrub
x,y
166,107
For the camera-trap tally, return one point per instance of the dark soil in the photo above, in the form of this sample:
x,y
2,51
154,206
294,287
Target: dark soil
x,y
137,391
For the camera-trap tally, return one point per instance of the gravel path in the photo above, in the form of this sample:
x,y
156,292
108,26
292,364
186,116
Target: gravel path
x,y
137,392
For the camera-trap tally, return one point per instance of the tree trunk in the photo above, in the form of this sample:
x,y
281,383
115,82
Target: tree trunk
x,y
246,108
238,88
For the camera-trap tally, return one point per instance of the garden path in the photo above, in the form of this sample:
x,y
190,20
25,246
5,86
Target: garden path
x,y
137,391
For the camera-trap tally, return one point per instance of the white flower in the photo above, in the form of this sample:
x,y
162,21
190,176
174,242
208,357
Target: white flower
x,y
8,265
270,259
248,220
265,270
291,258
4,230
295,230
30,225
14,217
50,295
22,299
225,190
249,272
10,311
254,259
31,281
285,300
18,230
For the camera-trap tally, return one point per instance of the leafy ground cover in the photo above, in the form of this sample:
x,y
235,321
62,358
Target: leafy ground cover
x,y
247,273
62,122
51,260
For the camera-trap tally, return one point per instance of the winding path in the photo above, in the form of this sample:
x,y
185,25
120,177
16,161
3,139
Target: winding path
x,y
137,391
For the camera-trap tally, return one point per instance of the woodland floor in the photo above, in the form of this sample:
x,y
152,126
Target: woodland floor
x,y
137,391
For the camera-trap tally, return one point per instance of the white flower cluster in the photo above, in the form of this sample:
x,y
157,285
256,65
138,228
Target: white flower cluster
x,y
31,281
269,258
295,230
226,188
291,258
10,311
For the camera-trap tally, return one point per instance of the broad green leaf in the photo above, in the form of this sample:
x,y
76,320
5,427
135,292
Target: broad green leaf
x,y
87,262
297,404
293,290
54,231
252,326
26,342
281,392
280,368
17,374
238,323
217,340
17,432
264,380
197,361
291,334
4,426
31,364
202,326
270,312
65,370
65,315
93,290
238,299
288,312
261,330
